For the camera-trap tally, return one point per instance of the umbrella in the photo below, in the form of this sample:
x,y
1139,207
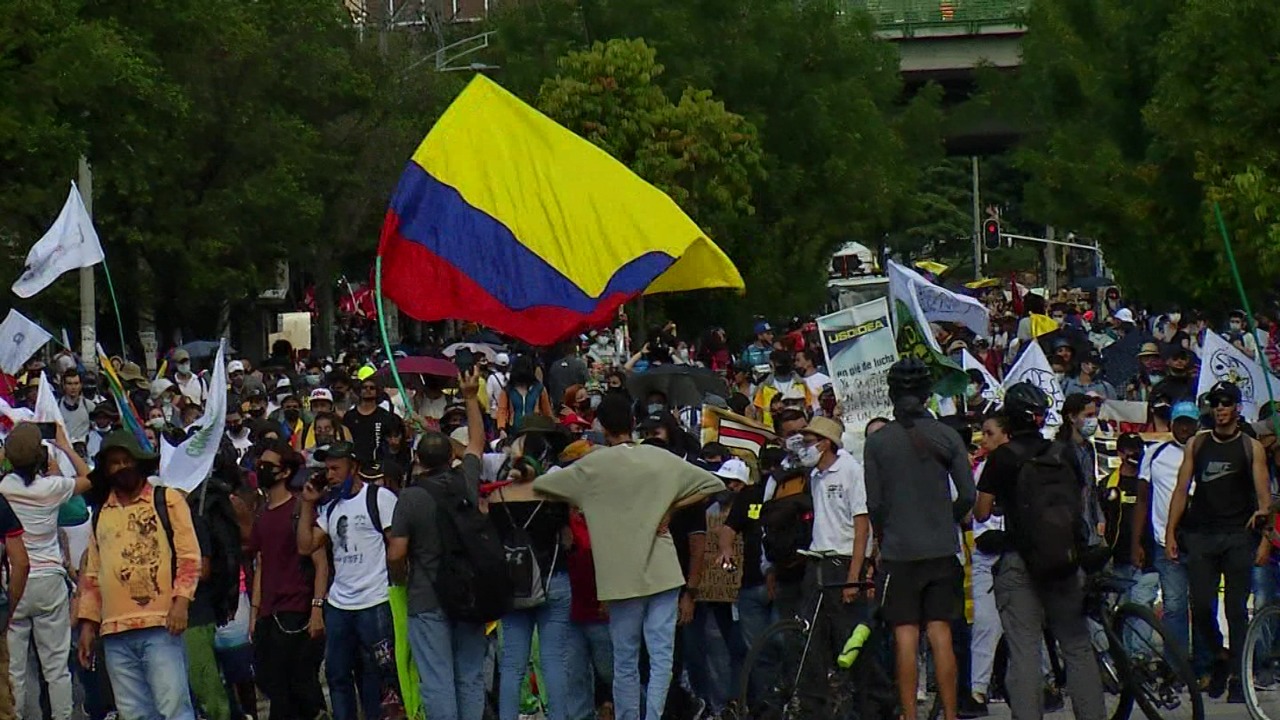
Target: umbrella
x,y
438,367
1077,339
1120,359
483,337
489,351
684,385
201,349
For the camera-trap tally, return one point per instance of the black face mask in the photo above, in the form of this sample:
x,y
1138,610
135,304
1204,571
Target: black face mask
x,y
783,370
128,480
292,414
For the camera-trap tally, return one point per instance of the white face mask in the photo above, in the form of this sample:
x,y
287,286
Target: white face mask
x,y
974,390
184,368
810,455
1089,426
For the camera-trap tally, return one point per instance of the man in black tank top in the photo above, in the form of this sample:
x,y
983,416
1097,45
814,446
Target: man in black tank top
x,y
1223,491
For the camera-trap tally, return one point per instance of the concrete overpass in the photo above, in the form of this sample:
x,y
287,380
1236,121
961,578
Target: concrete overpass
x,y
943,41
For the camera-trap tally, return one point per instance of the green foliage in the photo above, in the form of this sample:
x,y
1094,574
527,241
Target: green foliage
x,y
1143,114
224,136
840,154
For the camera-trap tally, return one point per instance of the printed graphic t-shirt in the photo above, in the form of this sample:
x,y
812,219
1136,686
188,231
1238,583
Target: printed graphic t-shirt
x,y
359,549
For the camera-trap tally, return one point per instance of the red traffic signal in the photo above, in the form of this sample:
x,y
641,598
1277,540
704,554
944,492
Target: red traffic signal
x,y
991,234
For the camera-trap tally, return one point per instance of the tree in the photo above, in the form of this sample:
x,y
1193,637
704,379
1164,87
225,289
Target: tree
x,y
840,153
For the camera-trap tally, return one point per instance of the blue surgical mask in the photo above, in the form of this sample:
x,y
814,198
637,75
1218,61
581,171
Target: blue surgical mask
x,y
313,380
655,408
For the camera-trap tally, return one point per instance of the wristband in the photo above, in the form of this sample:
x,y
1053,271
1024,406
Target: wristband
x,y
317,602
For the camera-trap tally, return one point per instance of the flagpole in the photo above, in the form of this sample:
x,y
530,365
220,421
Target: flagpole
x,y
88,311
115,304
386,339
1253,326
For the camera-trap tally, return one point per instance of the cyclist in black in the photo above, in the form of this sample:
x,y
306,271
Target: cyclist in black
x,y
1223,492
1026,604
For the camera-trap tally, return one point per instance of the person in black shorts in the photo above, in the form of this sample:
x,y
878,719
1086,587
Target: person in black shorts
x,y
911,466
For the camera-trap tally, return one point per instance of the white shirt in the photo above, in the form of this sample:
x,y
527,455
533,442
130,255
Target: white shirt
x,y
359,550
193,388
494,386
36,506
816,382
1160,467
839,495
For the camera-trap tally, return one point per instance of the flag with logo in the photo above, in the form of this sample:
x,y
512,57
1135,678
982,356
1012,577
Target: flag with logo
x,y
70,243
993,391
186,465
936,303
914,339
20,338
1033,367
1220,361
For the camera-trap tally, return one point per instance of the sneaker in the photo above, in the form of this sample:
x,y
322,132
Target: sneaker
x,y
1235,691
968,707
1218,680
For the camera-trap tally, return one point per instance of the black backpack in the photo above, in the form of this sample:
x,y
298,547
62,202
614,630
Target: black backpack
x,y
1047,520
213,504
375,521
786,521
473,582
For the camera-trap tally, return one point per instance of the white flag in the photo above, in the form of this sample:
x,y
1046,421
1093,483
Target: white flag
x,y
1033,367
993,391
20,338
187,465
938,303
71,243
47,412
1220,361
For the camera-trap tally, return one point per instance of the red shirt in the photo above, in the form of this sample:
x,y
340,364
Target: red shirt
x,y
286,585
584,606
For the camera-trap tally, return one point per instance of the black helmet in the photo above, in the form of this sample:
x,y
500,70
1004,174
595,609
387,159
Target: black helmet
x,y
910,376
1025,400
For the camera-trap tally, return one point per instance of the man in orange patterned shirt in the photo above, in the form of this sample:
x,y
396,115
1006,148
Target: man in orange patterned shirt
x,y
140,575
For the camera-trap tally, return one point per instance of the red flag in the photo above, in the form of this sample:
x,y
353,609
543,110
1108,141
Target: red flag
x,y
1018,308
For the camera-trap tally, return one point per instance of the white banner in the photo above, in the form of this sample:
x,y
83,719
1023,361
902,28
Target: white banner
x,y
20,338
187,465
993,392
70,243
47,412
1033,367
938,303
1220,361
859,346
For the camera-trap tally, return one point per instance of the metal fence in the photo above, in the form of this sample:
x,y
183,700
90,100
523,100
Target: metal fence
x,y
904,15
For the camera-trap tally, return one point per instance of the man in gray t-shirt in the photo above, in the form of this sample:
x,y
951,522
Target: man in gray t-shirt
x,y
449,654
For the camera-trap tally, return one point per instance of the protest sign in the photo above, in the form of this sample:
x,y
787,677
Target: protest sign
x,y
719,584
859,347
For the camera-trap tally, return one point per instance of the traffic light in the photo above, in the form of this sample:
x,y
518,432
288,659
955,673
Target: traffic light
x,y
991,234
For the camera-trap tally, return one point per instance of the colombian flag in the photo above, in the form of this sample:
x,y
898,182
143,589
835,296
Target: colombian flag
x,y
506,218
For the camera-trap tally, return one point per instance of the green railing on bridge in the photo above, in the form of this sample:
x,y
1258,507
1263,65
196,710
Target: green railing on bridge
x,y
905,16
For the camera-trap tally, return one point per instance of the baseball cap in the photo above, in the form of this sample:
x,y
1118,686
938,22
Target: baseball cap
x,y
235,366
283,384
1185,410
1124,315
502,360
181,355
1226,389
763,327
335,451
461,435
734,469
321,394
24,447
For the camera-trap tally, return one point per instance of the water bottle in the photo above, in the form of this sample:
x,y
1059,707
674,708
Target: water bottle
x,y
853,646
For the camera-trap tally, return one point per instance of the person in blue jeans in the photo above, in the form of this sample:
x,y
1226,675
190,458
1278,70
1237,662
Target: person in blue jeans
x,y
531,527
354,518
449,654
627,493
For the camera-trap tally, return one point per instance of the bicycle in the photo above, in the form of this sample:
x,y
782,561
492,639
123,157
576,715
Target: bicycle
x,y
777,660
1261,665
1137,661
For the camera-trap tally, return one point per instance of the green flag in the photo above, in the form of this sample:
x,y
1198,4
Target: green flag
x,y
949,379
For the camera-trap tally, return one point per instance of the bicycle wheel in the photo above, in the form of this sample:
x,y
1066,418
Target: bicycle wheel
x,y
1117,698
1158,671
1262,664
771,670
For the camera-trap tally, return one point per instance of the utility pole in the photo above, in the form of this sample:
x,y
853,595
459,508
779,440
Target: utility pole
x,y
1050,262
977,224
88,305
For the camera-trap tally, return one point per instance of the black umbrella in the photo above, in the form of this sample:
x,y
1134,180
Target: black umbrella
x,y
1120,359
1077,339
201,349
684,385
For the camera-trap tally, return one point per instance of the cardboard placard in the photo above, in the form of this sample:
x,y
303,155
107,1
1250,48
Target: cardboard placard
x,y
719,585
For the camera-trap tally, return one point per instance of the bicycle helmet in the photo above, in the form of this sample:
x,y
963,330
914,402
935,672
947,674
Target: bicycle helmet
x,y
910,376
1025,400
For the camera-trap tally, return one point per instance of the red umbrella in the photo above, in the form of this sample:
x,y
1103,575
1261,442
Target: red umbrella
x,y
438,367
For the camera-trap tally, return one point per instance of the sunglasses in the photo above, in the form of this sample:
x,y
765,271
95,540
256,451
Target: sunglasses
x,y
1222,402
267,467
